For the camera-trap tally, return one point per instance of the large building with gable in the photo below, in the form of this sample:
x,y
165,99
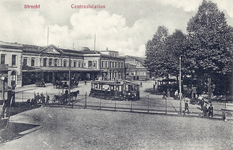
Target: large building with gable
x,y
30,63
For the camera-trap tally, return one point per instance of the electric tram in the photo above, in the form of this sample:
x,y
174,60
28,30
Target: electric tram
x,y
115,90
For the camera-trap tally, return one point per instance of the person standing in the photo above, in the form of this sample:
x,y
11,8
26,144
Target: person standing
x,y
7,104
186,106
42,98
205,110
164,95
47,100
211,110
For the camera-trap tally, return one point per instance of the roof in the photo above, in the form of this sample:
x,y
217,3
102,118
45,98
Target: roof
x,y
140,59
10,45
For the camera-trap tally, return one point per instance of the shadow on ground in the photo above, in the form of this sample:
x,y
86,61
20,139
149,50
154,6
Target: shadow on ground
x,y
14,131
4,122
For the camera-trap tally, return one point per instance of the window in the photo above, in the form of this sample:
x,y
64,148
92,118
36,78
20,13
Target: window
x,y
70,62
102,64
74,63
2,58
115,64
50,62
45,62
122,65
106,64
89,64
79,64
25,59
119,65
55,62
13,60
32,61
64,63
112,64
94,64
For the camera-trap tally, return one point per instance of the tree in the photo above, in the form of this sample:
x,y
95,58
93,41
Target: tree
x,y
156,53
176,46
210,41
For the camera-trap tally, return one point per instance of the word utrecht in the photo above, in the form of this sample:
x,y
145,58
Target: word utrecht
x,y
32,6
73,6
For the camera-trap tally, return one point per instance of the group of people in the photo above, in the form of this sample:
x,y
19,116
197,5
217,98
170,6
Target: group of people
x,y
207,111
39,98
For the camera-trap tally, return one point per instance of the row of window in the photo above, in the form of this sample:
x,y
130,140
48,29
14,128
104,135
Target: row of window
x,y
112,64
54,62
13,59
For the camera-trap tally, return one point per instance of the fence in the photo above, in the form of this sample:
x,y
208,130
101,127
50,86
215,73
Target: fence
x,y
146,104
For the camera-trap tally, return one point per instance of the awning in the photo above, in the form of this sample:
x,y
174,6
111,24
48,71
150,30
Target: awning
x,y
61,69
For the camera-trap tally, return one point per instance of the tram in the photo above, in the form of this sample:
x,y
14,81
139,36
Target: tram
x,y
115,90
166,85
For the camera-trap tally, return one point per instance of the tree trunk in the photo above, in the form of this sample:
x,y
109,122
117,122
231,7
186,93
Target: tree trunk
x,y
209,89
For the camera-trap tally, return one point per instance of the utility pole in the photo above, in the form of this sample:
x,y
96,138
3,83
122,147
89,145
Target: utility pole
x,y
180,84
69,76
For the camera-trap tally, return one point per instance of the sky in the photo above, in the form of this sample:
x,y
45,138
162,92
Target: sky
x,y
123,25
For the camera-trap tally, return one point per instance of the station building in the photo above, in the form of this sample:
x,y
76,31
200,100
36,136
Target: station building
x,y
30,63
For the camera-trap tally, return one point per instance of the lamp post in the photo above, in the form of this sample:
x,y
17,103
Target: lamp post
x,y
180,93
3,87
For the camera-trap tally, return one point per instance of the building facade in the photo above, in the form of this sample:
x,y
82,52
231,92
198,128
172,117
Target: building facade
x,y
28,64
135,68
112,65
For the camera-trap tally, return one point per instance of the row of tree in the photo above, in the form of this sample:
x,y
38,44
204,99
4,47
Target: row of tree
x,y
206,50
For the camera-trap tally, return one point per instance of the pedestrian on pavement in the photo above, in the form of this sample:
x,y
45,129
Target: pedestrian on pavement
x,y
85,82
141,84
186,106
37,98
164,95
205,110
42,98
47,100
211,110
66,94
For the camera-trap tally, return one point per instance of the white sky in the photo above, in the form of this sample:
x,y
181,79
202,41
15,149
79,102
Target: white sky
x,y
124,26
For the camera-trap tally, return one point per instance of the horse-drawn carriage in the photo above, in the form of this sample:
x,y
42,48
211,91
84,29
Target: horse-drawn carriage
x,y
124,90
65,84
65,98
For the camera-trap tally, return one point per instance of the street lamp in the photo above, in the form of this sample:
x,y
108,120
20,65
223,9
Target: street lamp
x,y
180,93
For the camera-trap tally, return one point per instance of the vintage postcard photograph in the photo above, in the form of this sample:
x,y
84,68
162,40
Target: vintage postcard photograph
x,y
116,74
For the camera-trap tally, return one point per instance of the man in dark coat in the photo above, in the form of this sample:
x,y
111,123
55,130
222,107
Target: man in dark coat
x,y
205,110
211,110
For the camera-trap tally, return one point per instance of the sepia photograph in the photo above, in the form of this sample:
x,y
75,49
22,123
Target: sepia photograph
x,y
116,75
